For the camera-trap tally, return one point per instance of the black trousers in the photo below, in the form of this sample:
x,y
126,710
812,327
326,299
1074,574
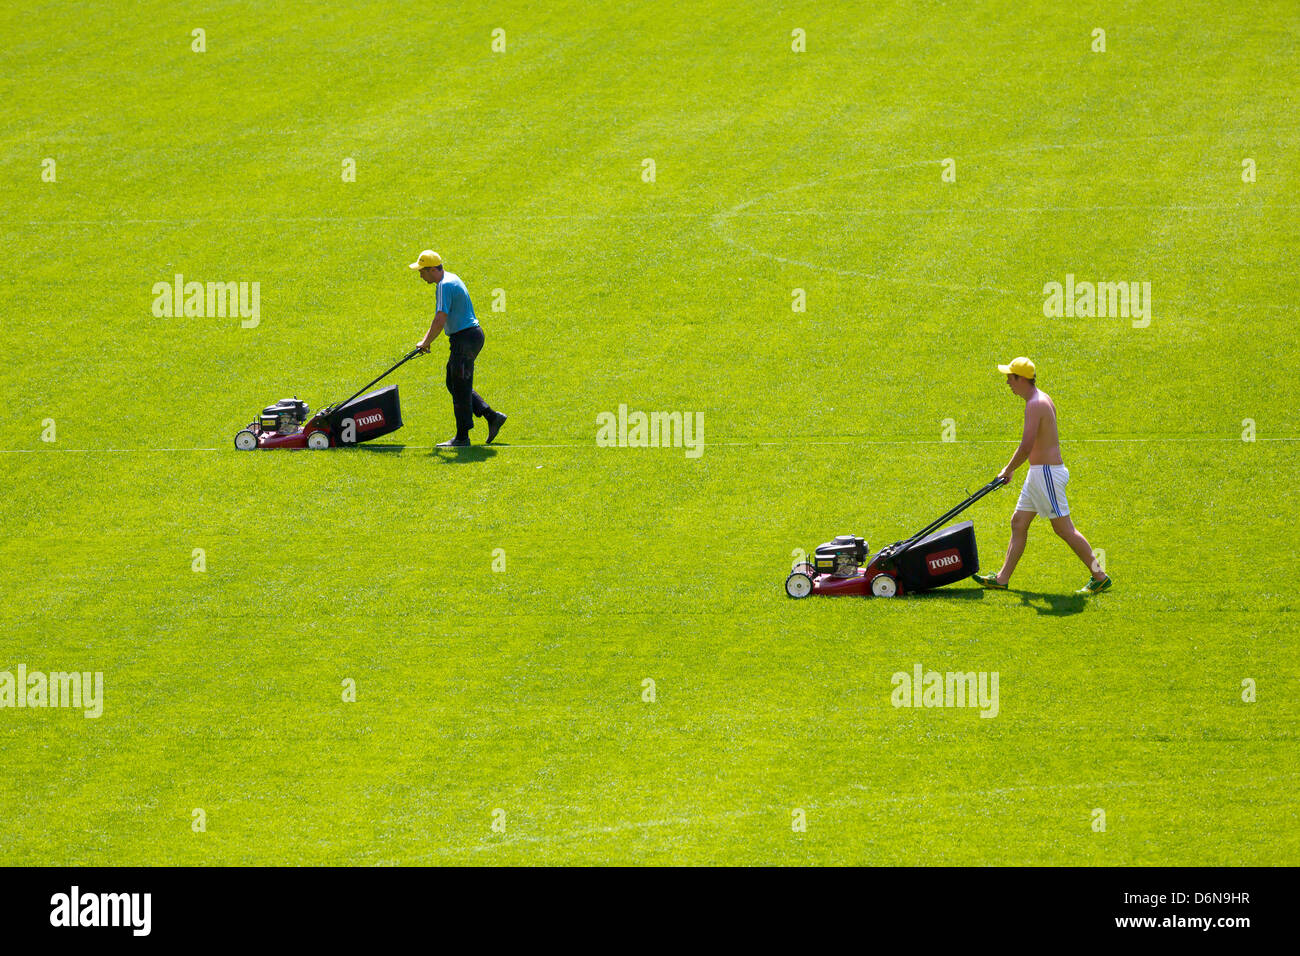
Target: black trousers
x,y
465,402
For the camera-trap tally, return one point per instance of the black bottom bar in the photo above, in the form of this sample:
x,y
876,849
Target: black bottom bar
x,y
977,906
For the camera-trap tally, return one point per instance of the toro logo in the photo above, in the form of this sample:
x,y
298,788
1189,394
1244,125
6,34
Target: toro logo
x,y
370,419
943,561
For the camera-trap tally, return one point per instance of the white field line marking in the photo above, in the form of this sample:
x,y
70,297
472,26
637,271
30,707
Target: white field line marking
x,y
651,215
91,451
681,214
882,441
721,219
716,444
413,217
986,210
707,819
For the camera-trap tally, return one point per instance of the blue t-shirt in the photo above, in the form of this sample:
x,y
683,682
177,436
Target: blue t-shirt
x,y
453,298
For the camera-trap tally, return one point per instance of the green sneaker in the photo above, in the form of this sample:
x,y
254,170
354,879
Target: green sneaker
x,y
1095,587
989,581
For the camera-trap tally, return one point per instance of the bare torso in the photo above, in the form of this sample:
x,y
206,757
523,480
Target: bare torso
x,y
1047,443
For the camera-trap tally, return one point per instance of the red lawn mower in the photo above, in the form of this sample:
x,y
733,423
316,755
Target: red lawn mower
x,y
924,561
289,422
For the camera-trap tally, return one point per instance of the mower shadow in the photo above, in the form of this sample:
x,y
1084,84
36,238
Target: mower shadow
x,y
949,594
448,456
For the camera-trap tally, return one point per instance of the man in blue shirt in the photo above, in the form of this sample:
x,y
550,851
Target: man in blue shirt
x,y
455,313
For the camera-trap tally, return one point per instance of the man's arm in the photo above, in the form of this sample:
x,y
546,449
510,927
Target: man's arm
x,y
1033,414
435,330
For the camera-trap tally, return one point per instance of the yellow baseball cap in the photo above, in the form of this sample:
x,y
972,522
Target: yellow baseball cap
x,y
1019,366
427,258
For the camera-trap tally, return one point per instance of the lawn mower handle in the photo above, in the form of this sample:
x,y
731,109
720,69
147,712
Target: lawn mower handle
x,y
406,358
993,485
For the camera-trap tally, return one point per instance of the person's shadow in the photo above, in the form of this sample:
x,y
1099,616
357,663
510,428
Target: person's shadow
x,y
1055,605
462,456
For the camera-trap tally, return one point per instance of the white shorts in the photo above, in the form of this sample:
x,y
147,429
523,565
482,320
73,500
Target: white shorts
x,y
1044,491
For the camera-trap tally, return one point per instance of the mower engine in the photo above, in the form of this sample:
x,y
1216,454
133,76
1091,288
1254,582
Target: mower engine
x,y
285,417
842,557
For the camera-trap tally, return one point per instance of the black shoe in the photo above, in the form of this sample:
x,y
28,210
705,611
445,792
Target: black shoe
x,y
454,443
494,425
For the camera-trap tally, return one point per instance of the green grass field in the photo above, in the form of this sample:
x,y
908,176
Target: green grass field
x,y
521,690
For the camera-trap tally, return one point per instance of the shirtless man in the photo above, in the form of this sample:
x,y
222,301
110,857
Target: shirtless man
x,y
1044,490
